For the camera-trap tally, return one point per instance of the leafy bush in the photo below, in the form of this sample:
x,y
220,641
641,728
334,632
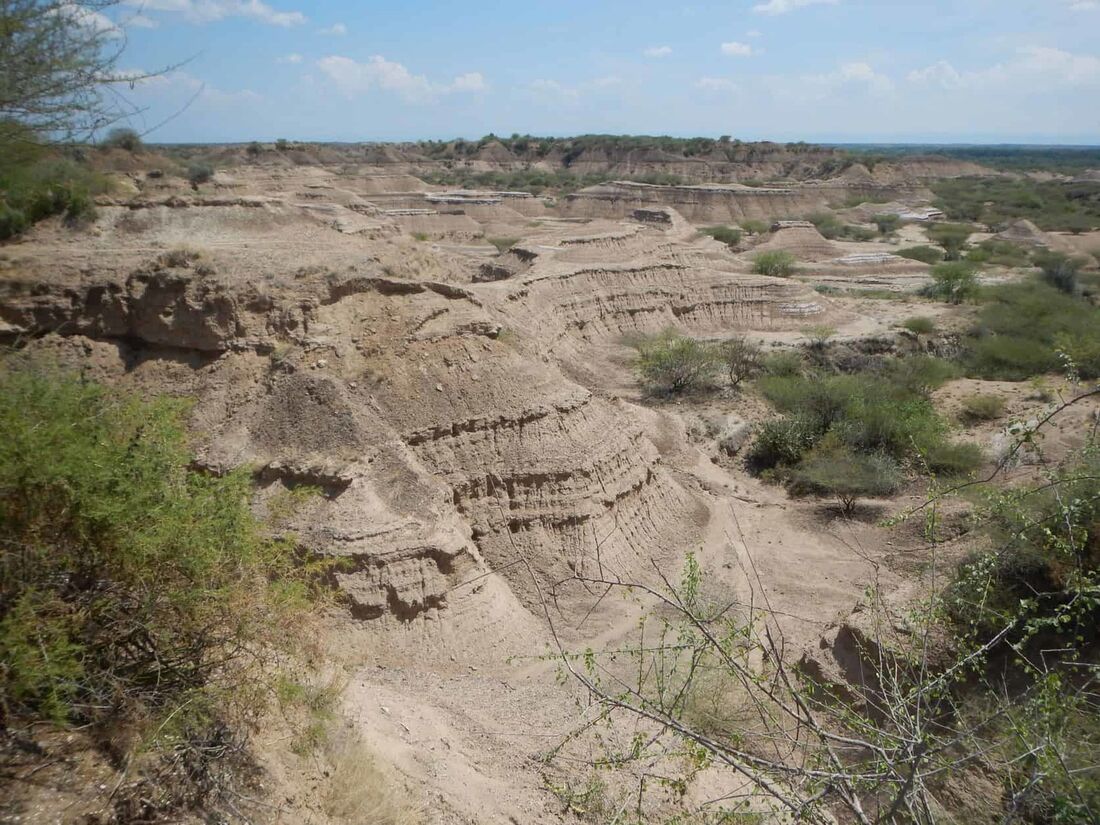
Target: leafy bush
x,y
503,244
124,138
1000,253
980,407
837,470
952,237
995,201
783,363
920,374
128,580
48,187
887,412
1060,270
741,358
728,235
754,226
958,459
198,173
887,224
920,325
254,149
782,442
777,264
672,363
924,254
953,282
819,335
1021,329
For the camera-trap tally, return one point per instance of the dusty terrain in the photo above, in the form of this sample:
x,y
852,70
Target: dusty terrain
x,y
473,421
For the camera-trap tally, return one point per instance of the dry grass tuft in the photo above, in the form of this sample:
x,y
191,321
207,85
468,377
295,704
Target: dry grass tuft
x,y
360,791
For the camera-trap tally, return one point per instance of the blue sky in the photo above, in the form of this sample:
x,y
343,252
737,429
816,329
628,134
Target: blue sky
x,y
816,70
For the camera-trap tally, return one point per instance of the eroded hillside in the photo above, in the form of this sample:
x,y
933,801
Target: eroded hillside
x,y
452,369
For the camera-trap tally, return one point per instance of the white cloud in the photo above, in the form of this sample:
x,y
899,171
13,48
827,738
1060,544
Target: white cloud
x,y
293,57
207,11
553,90
658,51
336,30
140,21
716,84
1032,66
754,33
735,49
1084,5
352,77
846,80
784,6
469,82
89,19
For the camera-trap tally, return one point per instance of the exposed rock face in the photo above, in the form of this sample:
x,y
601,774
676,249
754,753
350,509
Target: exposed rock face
x,y
445,450
713,203
169,308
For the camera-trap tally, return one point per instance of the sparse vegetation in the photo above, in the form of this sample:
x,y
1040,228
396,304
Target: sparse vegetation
x,y
670,363
199,173
983,407
755,227
40,189
134,591
776,264
728,235
887,223
125,138
1060,271
920,325
838,471
741,358
952,237
953,282
997,202
924,254
1030,329
503,244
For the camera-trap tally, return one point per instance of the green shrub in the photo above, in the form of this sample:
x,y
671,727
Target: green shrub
x,y
254,149
953,282
981,407
782,442
887,224
52,186
754,226
952,237
840,472
130,583
671,363
198,173
503,244
958,459
1022,327
887,413
1000,253
741,358
920,325
783,363
924,254
1060,270
777,264
728,235
920,374
124,138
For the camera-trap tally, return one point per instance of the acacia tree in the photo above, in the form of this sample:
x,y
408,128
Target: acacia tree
x,y
58,69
